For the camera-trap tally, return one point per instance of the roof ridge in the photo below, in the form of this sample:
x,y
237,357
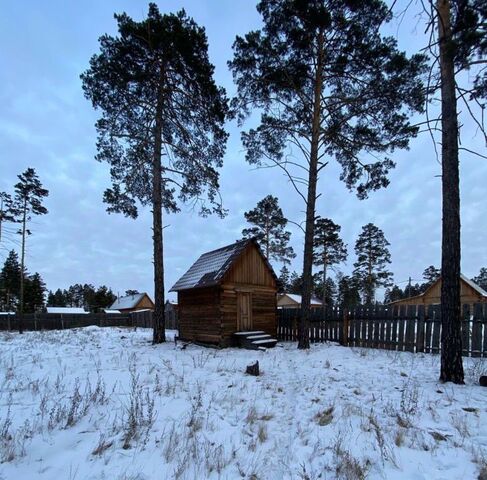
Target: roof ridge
x,y
226,246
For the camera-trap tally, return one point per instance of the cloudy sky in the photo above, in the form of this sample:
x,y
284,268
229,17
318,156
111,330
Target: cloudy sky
x,y
46,123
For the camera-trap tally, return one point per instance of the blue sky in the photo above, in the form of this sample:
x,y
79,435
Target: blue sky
x,y
46,123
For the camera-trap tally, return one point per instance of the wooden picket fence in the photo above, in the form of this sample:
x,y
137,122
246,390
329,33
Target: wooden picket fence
x,y
58,321
412,328
143,319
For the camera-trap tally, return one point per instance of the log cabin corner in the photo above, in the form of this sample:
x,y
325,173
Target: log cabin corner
x,y
228,290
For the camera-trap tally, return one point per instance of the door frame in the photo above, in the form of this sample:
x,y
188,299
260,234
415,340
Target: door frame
x,y
241,293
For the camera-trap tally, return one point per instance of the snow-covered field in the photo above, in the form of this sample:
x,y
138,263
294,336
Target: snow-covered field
x,y
105,404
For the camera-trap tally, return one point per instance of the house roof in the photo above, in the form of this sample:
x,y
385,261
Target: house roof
x,y
465,279
69,310
298,298
472,284
211,267
130,301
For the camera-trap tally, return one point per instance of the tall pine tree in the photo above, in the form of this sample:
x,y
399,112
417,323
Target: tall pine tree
x,y
161,129
481,278
35,290
329,85
28,201
329,250
284,277
348,295
10,283
268,228
6,214
460,45
373,257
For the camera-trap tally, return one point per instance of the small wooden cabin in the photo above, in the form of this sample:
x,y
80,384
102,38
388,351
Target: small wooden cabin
x,y
232,289
470,293
133,303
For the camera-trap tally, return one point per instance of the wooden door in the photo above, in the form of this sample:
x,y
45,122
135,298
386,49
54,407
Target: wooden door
x,y
244,311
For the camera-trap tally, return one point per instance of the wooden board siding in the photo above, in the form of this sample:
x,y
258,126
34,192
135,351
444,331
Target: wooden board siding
x,y
144,303
199,315
264,310
251,269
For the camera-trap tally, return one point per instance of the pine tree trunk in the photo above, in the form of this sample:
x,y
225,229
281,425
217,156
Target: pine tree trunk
x,y
370,287
451,338
303,330
22,262
324,288
159,324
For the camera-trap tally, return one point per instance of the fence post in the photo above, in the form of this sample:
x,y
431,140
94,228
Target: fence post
x,y
420,327
344,330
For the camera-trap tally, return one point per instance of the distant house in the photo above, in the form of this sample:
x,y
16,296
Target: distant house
x,y
290,300
470,292
67,310
228,290
132,303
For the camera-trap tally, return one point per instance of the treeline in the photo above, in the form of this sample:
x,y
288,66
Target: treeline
x,y
86,296
10,277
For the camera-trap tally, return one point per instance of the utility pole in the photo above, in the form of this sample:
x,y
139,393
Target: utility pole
x,y
409,287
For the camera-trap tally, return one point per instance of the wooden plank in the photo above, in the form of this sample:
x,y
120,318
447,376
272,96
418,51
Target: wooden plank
x,y
395,325
402,327
435,341
363,331
368,320
410,327
477,330
420,347
466,330
428,329
389,320
352,323
381,313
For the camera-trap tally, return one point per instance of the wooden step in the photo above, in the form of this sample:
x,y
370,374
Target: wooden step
x,y
267,343
257,337
246,334
255,340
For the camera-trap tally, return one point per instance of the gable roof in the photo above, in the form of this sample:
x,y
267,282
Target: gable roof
x,y
463,278
130,301
472,284
298,298
211,267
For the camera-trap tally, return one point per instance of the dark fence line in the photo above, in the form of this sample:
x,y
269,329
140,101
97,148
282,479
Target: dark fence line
x,y
412,328
60,321
143,318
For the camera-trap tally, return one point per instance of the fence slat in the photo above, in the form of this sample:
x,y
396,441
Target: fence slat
x,y
420,329
435,342
477,330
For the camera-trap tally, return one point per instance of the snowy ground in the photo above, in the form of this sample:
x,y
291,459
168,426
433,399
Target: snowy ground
x,y
104,403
